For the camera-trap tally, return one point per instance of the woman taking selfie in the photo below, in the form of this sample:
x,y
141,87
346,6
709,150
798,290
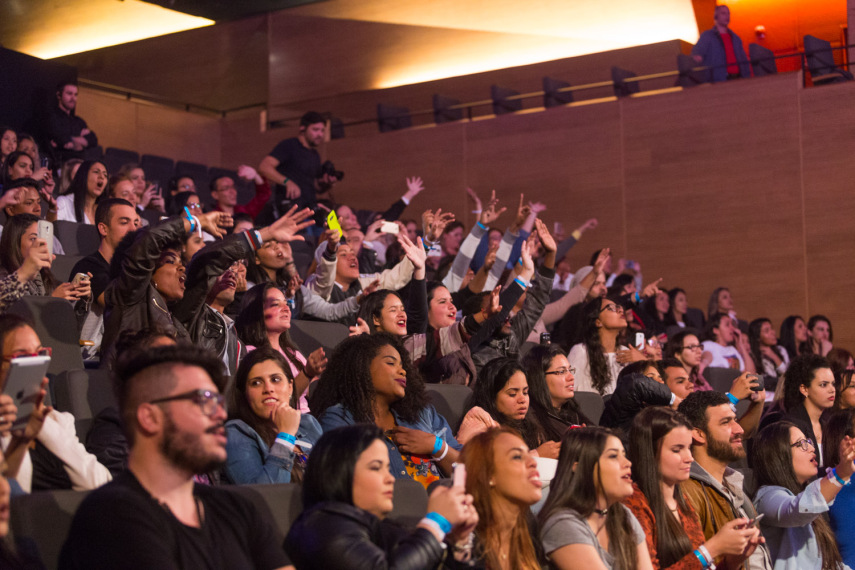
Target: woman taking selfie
x,y
348,492
268,438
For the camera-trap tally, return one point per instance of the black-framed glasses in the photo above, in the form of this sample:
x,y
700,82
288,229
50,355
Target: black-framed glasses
x,y
613,308
693,347
207,400
805,444
561,371
44,351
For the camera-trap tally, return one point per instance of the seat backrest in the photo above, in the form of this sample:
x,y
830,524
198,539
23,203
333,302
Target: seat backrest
x,y
282,502
115,158
591,404
63,264
44,518
410,504
199,173
158,169
56,324
720,378
762,60
820,58
311,335
83,393
77,239
450,401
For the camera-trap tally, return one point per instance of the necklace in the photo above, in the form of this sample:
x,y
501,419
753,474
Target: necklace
x,y
602,512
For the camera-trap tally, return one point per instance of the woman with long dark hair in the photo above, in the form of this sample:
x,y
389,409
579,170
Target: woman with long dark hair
x,y
347,494
265,321
595,359
843,367
769,357
794,336
583,524
686,347
821,334
370,379
268,438
502,476
84,193
793,500
551,384
660,443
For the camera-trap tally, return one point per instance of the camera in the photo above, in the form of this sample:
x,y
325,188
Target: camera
x,y
328,169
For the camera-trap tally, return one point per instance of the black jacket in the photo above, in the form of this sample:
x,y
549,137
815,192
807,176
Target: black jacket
x,y
334,535
632,394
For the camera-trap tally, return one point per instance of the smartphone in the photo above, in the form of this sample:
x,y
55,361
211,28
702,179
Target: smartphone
x,y
80,278
756,384
459,476
46,233
639,341
389,228
753,522
24,383
45,162
332,223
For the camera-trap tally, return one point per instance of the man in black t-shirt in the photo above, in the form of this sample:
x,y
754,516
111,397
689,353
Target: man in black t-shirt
x,y
154,515
114,218
294,166
68,134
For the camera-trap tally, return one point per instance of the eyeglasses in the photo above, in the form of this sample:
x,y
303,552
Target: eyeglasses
x,y
562,371
804,444
194,206
613,308
693,347
207,400
21,354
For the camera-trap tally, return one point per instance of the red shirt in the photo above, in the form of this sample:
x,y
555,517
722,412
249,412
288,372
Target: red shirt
x,y
729,54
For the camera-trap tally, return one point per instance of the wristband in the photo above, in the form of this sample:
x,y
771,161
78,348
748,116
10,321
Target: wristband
x,y
831,472
577,235
479,224
444,453
521,283
440,520
701,558
191,219
254,238
637,298
287,437
437,446
733,399
284,182
706,553
476,211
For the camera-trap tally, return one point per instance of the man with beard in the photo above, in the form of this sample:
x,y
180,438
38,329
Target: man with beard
x,y
154,515
715,490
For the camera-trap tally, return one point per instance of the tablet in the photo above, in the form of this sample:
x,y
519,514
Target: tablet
x,y
24,383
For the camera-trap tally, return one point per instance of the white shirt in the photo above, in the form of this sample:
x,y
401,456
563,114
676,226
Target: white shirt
x,y
724,356
578,359
65,210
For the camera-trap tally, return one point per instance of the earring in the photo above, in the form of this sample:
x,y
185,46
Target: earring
x,y
492,483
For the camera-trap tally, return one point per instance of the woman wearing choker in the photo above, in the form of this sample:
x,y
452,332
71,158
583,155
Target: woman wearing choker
x,y
584,525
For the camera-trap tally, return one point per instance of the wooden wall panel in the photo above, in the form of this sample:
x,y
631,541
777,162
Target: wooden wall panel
x,y
713,193
829,205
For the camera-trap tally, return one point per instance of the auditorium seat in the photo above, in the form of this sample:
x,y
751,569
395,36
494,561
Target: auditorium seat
x,y
311,335
83,393
820,62
56,324
720,378
303,254
44,518
93,153
63,264
158,169
115,158
77,239
762,60
450,401
591,404
282,502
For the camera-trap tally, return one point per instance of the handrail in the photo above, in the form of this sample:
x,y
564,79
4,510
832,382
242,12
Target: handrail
x,y
468,106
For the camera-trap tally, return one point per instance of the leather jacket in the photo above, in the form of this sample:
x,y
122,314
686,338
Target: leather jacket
x,y
633,393
333,535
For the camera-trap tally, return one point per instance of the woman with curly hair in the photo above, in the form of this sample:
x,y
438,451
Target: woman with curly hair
x,y
583,524
370,379
268,438
595,358
502,477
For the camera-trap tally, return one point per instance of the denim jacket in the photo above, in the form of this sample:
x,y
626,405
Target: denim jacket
x,y
251,461
429,421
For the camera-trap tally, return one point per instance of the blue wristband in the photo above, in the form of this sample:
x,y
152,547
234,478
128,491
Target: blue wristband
x,y
287,437
443,523
637,298
733,399
437,446
701,558
836,476
190,219
480,225
521,283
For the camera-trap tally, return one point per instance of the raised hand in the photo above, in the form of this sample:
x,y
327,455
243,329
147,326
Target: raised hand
x,y
651,289
602,258
434,224
414,187
249,173
471,193
415,252
361,327
214,222
288,226
490,214
545,237
316,363
522,213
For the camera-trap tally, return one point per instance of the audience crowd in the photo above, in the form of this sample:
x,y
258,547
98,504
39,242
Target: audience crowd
x,y
603,421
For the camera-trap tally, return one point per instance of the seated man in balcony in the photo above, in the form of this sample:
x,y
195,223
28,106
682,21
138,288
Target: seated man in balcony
x,y
225,194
